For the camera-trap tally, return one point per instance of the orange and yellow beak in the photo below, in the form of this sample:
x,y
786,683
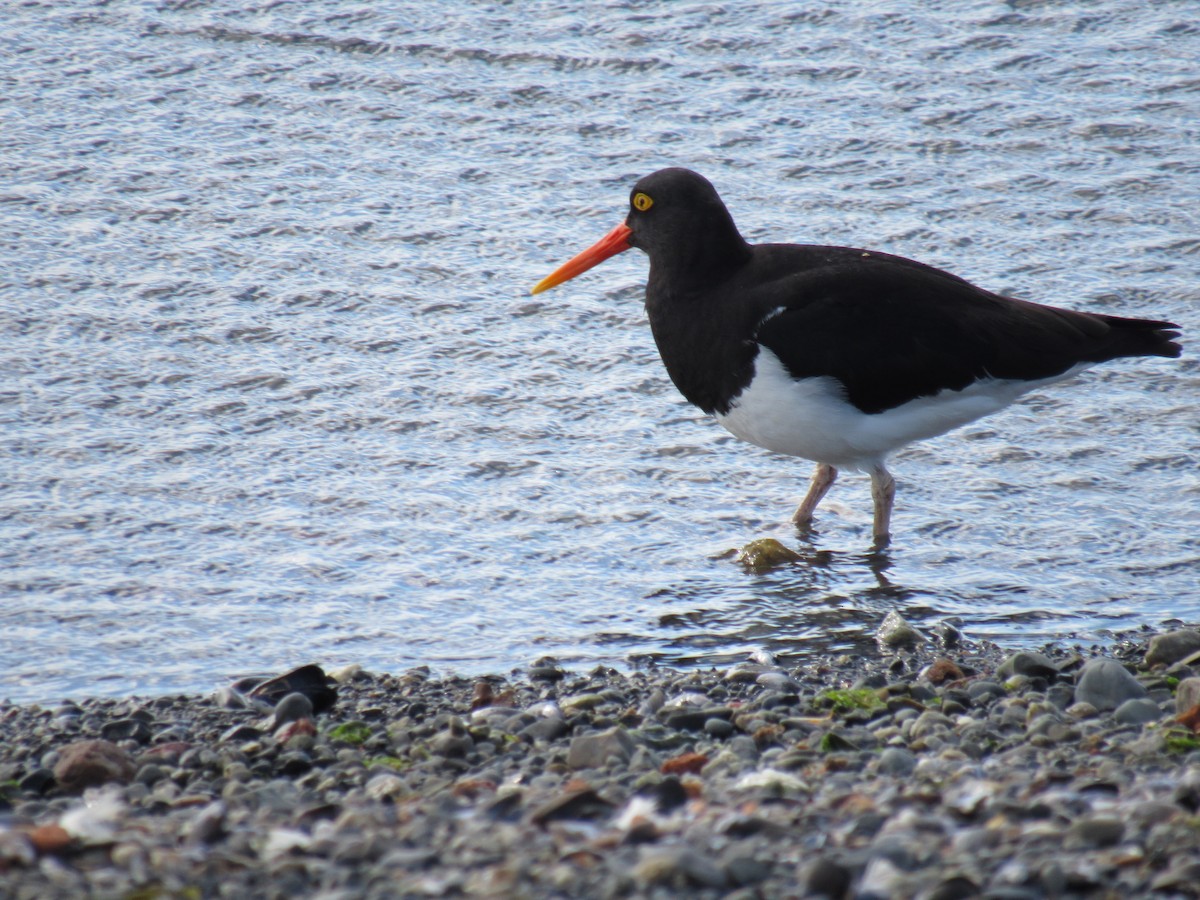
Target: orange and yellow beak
x,y
616,241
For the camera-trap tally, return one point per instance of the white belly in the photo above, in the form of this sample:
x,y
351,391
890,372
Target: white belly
x,y
811,418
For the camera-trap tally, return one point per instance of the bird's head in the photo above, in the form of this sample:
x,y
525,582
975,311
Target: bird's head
x,y
676,217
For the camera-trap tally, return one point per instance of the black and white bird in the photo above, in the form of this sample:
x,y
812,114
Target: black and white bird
x,y
833,354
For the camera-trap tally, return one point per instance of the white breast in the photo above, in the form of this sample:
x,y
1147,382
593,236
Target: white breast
x,y
811,417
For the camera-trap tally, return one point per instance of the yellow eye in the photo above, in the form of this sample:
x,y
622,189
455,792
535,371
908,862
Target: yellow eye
x,y
642,202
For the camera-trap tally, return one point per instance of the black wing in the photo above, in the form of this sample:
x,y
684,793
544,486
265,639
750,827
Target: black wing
x,y
892,330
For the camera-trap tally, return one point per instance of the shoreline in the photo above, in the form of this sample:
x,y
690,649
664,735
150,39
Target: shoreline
x,y
937,772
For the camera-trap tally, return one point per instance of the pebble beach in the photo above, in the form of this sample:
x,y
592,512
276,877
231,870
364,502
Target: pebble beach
x,y
937,768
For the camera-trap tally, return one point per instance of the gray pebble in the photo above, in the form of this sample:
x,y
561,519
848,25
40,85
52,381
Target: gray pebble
x,y
826,878
684,718
1167,649
778,681
1032,665
718,728
150,773
207,825
746,870
1138,711
549,728
1106,684
678,867
36,781
748,673
292,708
897,761
589,751
126,730
956,887
1187,694
454,742
1093,832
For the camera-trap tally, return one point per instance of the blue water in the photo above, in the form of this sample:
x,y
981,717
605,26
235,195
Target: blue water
x,y
273,390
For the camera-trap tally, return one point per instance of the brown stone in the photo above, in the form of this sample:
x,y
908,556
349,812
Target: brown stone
x,y
684,764
943,670
49,839
472,788
1190,719
482,695
583,803
167,753
87,764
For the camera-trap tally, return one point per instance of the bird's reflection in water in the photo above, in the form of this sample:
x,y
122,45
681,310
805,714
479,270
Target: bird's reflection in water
x,y
824,601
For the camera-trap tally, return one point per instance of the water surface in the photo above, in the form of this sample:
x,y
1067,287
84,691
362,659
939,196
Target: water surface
x,y
272,388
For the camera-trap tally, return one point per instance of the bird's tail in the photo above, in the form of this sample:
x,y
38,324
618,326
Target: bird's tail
x,y
1144,337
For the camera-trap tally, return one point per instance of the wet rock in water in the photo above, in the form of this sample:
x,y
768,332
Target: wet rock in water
x,y
547,669
87,764
948,636
765,554
1106,684
1172,647
763,657
895,633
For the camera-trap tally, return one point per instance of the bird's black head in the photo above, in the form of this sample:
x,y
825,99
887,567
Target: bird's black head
x,y
677,217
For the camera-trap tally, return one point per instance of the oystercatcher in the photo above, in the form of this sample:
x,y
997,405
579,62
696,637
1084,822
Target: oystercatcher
x,y
833,354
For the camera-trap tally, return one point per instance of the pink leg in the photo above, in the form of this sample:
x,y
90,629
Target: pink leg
x,y
822,480
883,492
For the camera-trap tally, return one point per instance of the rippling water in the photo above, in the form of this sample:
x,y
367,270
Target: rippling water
x,y
272,388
